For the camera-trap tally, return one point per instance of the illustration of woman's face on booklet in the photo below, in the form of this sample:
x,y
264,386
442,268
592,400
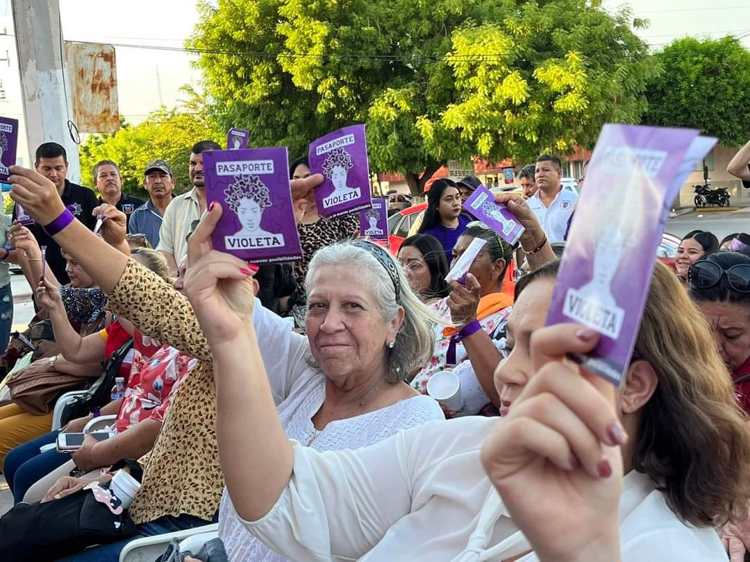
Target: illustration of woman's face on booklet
x,y
609,257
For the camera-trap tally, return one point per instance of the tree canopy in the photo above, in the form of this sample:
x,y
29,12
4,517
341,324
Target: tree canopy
x,y
704,84
166,135
433,81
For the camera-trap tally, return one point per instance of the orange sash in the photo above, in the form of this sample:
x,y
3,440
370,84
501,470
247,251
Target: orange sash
x,y
488,304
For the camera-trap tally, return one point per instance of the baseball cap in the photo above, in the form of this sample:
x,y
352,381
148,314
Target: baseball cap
x,y
158,165
470,182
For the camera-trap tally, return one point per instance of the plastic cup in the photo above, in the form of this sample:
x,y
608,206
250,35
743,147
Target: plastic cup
x,y
445,387
124,487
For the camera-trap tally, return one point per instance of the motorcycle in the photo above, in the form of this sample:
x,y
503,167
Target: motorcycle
x,y
705,196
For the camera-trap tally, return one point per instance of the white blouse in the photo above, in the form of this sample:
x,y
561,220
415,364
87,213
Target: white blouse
x,y
422,495
299,391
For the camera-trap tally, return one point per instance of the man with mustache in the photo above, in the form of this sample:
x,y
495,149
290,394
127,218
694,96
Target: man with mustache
x,y
184,210
109,186
147,219
552,205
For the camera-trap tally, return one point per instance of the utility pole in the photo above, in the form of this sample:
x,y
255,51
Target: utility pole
x,y
158,86
46,97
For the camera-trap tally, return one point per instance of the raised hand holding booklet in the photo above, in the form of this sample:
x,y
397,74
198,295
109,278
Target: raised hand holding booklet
x,y
341,156
609,257
463,264
8,142
481,204
373,222
237,138
252,186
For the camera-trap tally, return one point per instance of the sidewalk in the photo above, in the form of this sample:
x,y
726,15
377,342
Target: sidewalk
x,y
23,310
6,499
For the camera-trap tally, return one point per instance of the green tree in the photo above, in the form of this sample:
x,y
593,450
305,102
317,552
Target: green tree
x,y
705,84
433,81
167,135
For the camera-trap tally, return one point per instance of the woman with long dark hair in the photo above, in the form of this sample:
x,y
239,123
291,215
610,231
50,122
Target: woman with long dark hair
x,y
443,218
694,246
425,265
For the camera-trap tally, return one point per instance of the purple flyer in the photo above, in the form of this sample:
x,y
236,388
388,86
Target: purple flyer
x,y
373,222
341,156
237,138
8,141
609,257
496,216
252,185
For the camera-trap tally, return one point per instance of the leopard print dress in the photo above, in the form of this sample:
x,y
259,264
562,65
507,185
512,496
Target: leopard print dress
x,y
182,473
312,237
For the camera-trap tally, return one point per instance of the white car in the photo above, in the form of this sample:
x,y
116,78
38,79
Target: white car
x,y
571,184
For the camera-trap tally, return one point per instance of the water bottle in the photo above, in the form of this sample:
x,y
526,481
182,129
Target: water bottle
x,y
119,389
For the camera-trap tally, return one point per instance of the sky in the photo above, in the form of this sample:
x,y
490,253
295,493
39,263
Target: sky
x,y
149,78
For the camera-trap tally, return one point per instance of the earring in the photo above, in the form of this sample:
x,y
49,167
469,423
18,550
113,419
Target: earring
x,y
391,344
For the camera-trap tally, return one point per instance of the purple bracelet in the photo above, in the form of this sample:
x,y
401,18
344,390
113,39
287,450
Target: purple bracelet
x,y
62,220
471,328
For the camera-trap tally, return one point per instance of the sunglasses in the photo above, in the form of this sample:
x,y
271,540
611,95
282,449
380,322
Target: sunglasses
x,y
705,275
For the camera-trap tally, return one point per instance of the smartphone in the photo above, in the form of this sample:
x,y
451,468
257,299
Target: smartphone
x,y
74,441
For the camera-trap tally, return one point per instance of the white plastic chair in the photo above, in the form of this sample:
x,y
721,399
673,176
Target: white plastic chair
x,y
149,549
57,412
99,423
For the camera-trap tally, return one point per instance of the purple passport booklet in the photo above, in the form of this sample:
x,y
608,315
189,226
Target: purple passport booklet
x,y
341,156
498,217
252,186
8,142
609,257
237,138
373,222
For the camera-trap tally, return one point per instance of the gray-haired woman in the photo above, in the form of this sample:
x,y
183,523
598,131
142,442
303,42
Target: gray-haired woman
x,y
366,330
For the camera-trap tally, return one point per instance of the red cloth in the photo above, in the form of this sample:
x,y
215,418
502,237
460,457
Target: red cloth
x,y
741,376
154,378
116,337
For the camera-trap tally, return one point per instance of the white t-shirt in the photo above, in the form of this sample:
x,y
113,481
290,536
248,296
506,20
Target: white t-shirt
x,y
554,219
422,495
176,223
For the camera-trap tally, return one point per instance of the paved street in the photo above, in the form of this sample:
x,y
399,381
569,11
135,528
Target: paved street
x,y
23,311
720,222
23,308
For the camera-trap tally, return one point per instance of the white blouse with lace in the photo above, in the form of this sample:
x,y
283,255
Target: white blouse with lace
x,y
296,407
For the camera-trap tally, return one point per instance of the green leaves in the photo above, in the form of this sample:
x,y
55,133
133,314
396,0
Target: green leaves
x,y
434,80
166,135
706,85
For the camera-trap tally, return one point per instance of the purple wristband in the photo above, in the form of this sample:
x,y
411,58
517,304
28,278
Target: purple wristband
x,y
471,328
62,220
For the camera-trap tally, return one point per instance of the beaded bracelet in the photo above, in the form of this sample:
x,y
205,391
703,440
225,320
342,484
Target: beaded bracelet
x,y
62,220
538,248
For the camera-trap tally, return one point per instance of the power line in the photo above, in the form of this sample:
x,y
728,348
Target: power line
x,y
260,54
699,9
716,31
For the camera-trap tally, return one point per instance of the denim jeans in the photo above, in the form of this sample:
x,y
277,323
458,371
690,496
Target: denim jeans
x,y
24,464
6,316
111,552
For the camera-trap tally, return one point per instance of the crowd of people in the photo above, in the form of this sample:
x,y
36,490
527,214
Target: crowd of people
x,y
295,403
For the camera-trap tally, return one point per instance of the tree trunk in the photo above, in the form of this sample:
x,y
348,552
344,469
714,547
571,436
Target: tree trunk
x,y
416,182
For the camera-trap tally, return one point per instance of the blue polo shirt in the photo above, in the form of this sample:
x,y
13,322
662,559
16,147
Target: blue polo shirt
x,y
146,220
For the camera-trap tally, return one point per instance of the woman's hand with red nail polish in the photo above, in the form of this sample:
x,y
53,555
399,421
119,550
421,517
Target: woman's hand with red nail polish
x,y
220,287
550,458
